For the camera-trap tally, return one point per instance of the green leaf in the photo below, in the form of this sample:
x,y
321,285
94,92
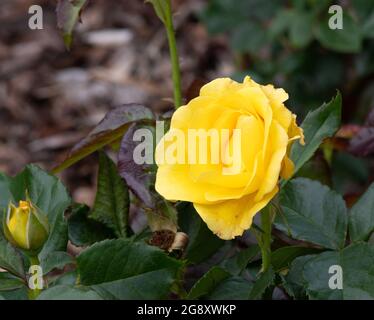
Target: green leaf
x,y
112,198
203,243
108,131
221,16
68,14
346,40
9,282
47,193
293,282
66,292
161,8
363,8
10,259
147,286
236,264
248,37
368,27
121,267
55,260
58,237
313,213
232,288
16,294
282,257
301,26
361,218
357,263
280,23
83,230
220,284
111,260
365,12
318,125
208,282
67,278
264,280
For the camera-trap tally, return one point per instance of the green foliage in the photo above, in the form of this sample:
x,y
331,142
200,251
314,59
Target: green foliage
x,y
290,43
10,259
262,282
112,198
202,242
17,294
9,282
219,284
301,28
313,213
238,263
357,263
161,8
56,260
242,43
123,269
83,230
310,275
232,288
208,282
318,125
361,217
112,260
282,257
65,292
346,40
315,216
293,282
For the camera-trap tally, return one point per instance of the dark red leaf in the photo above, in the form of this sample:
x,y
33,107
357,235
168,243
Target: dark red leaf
x,y
108,131
141,178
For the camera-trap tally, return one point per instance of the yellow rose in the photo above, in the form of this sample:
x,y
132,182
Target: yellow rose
x,y
227,201
25,226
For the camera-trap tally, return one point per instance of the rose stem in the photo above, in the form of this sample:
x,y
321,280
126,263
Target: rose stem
x,y
266,225
174,56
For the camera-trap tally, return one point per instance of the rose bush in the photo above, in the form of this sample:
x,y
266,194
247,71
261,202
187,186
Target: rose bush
x,y
228,202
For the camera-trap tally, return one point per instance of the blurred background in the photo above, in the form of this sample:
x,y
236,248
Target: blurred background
x,y
50,97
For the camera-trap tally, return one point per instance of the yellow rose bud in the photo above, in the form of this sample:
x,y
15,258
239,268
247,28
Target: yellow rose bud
x,y
26,226
238,174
